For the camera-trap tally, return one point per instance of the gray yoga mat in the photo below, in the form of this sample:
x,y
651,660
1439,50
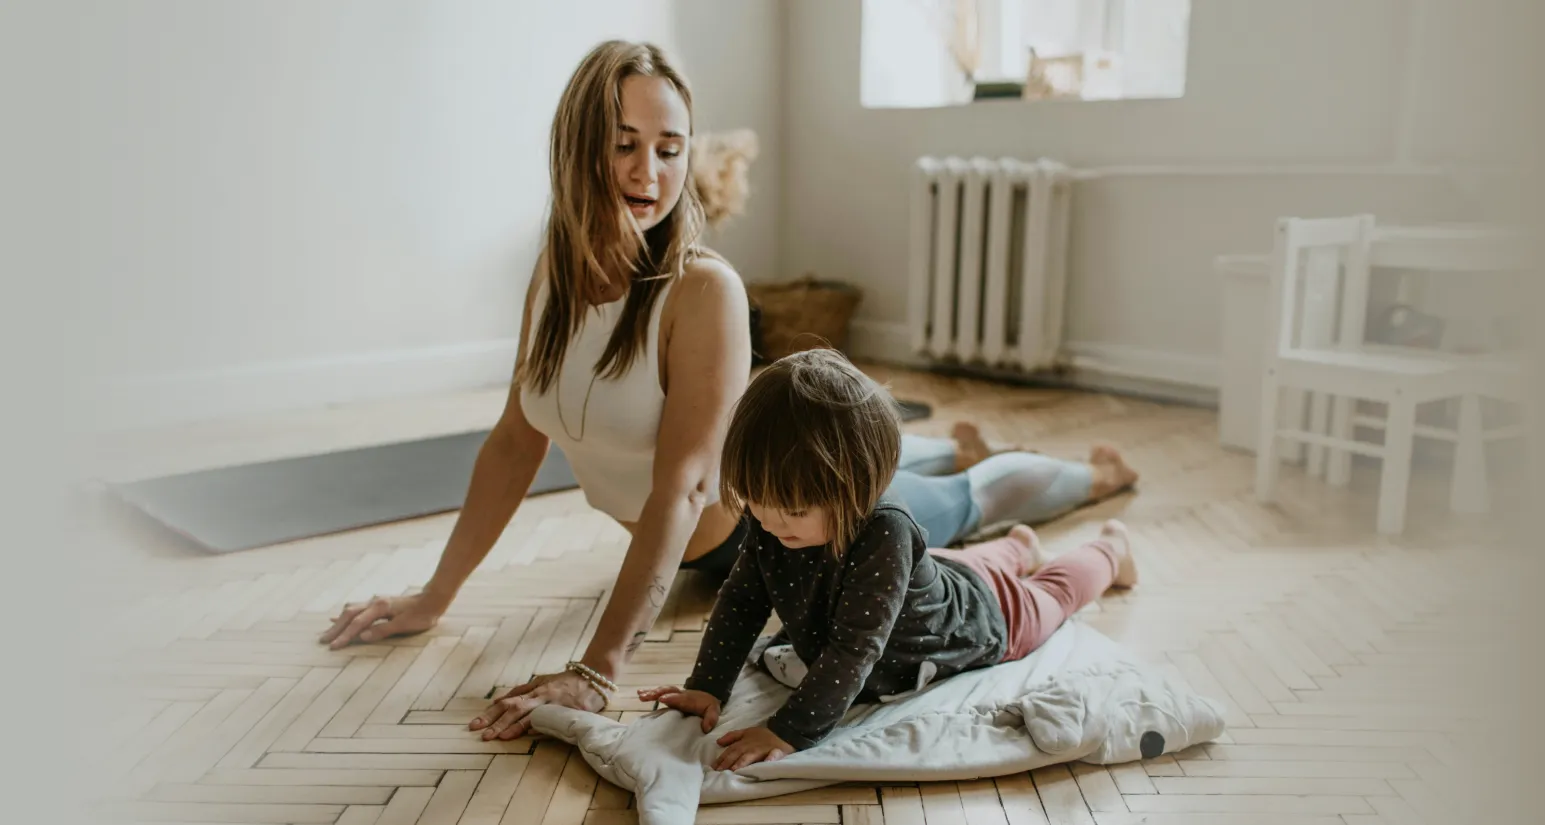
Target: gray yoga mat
x,y
242,507
258,505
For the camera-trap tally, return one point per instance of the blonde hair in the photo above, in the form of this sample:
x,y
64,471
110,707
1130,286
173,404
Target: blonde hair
x,y
591,236
813,431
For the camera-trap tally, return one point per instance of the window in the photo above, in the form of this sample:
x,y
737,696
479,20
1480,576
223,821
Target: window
x,y
919,53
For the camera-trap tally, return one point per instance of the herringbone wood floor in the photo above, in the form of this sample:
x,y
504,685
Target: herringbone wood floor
x,y
1335,652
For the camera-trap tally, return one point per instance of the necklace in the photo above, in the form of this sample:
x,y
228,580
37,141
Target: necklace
x,y
584,414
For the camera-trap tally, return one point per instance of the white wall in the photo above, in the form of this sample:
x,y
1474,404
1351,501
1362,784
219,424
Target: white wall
x,y
732,52
1347,91
294,203
297,204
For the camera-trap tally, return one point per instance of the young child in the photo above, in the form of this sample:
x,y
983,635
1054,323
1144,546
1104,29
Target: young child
x,y
863,600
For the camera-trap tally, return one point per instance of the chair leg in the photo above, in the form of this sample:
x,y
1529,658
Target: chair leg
x,y
1395,476
1268,461
1468,485
1293,404
1339,473
1319,424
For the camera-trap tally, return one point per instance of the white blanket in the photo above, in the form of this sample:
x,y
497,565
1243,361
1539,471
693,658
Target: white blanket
x,y
1079,697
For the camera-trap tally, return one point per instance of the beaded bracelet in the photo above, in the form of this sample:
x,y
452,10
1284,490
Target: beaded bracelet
x,y
591,673
601,684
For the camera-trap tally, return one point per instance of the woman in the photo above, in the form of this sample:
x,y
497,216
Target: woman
x,y
639,351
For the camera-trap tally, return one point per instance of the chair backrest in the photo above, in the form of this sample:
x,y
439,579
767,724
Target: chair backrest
x,y
1319,283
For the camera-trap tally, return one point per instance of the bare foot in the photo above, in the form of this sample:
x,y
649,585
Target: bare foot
x,y
1030,559
972,449
1111,472
1115,533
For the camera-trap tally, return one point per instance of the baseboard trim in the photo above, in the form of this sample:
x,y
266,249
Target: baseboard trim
x,y
1127,370
145,401
1134,362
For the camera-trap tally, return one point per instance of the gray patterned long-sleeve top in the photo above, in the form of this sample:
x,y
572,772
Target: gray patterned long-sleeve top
x,y
863,624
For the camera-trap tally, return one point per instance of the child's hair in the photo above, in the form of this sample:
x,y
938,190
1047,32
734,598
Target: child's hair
x,y
813,431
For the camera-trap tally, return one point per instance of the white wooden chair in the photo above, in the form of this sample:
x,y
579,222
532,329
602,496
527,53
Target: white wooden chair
x,y
1320,271
1449,252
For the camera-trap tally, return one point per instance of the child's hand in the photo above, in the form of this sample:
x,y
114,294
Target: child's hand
x,y
748,746
690,702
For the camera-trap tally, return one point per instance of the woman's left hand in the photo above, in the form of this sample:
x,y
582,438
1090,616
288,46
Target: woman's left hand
x,y
509,716
749,746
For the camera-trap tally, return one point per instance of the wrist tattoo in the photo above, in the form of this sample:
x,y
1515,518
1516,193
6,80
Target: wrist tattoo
x,y
638,641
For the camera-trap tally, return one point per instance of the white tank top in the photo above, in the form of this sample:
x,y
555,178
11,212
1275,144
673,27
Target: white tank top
x,y
609,440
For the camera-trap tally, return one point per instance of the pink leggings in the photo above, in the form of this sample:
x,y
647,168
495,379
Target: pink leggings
x,y
1035,607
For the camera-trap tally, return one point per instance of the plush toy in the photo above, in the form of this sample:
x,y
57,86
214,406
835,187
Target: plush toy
x,y
721,165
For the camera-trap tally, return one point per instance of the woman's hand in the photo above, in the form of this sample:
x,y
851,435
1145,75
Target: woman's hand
x,y
509,716
402,615
749,746
690,702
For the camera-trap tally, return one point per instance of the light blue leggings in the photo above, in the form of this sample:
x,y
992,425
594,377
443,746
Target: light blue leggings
x,y
1025,487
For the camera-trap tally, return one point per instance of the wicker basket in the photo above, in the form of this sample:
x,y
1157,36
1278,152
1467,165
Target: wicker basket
x,y
802,314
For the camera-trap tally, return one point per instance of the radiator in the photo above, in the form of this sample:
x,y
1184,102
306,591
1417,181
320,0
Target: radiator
x,y
988,262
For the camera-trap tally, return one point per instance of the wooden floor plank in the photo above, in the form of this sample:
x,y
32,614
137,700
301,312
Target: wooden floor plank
x,y
406,807
770,815
495,790
576,787
211,748
377,761
1237,804
496,654
217,812
1131,779
375,777
398,700
1060,795
902,806
450,798
1098,787
361,815
610,797
286,794
256,741
537,784
442,686
523,663
336,698
980,803
1272,787
941,803
1215,819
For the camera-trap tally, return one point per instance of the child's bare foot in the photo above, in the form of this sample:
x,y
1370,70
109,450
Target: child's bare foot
x,y
1111,472
1030,559
1115,533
